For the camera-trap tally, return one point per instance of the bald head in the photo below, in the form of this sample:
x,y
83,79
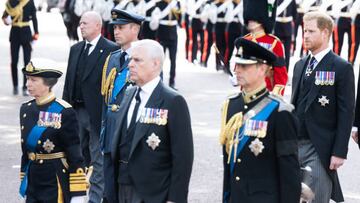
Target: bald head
x,y
90,25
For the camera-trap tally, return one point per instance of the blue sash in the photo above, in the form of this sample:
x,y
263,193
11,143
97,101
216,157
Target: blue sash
x,y
31,143
262,115
120,80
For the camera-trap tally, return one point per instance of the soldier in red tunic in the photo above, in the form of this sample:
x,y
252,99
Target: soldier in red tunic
x,y
260,20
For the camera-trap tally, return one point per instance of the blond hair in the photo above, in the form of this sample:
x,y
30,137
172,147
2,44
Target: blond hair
x,y
323,20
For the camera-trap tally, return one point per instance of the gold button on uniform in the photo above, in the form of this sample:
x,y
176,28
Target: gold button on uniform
x,y
238,160
29,104
237,178
64,171
22,127
245,107
24,116
22,140
41,161
39,142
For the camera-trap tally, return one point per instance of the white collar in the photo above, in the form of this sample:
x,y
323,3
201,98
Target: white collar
x,y
149,87
319,56
94,41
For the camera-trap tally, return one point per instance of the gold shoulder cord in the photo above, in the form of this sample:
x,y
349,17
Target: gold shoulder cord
x,y
230,130
17,11
107,83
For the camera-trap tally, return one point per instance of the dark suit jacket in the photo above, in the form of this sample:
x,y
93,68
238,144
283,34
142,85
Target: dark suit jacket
x,y
91,80
357,108
328,127
164,173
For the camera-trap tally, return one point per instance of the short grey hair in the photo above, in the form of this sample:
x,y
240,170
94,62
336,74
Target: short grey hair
x,y
50,82
152,48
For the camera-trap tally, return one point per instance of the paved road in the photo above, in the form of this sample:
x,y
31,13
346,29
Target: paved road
x,y
204,89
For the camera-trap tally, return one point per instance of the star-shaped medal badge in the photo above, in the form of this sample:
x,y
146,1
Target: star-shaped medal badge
x,y
153,141
48,146
323,100
256,146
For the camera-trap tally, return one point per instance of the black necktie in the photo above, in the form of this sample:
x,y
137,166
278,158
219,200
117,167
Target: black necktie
x,y
134,115
122,58
310,67
86,51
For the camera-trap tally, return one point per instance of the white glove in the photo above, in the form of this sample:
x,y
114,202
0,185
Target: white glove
x,y
78,199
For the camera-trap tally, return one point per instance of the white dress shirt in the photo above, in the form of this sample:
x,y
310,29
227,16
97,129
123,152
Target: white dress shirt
x,y
146,91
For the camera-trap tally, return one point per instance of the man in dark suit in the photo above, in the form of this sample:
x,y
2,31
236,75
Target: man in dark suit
x,y
82,91
258,135
153,146
126,26
323,95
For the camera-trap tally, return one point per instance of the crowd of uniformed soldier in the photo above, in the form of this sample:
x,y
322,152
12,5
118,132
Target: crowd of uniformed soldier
x,y
208,24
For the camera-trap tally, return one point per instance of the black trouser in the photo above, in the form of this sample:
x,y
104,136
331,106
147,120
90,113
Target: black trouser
x,y
220,42
286,40
172,46
233,30
208,41
15,48
344,26
31,199
109,180
197,30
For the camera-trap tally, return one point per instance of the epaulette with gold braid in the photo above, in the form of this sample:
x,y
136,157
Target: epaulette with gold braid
x,y
63,103
77,181
16,12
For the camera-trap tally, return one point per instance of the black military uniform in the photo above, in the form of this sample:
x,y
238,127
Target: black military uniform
x,y
21,12
114,83
195,31
260,161
345,24
167,35
220,39
51,163
209,36
284,26
232,31
146,32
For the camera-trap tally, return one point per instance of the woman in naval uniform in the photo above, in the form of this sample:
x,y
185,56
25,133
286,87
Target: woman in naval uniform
x,y
51,163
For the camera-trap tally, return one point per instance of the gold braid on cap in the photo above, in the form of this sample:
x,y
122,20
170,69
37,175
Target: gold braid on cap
x,y
107,83
229,129
17,11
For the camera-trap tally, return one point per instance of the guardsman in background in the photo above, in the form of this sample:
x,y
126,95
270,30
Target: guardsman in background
x,y
259,135
114,83
147,9
220,38
234,27
52,168
260,22
346,22
195,29
19,13
208,31
286,13
165,19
